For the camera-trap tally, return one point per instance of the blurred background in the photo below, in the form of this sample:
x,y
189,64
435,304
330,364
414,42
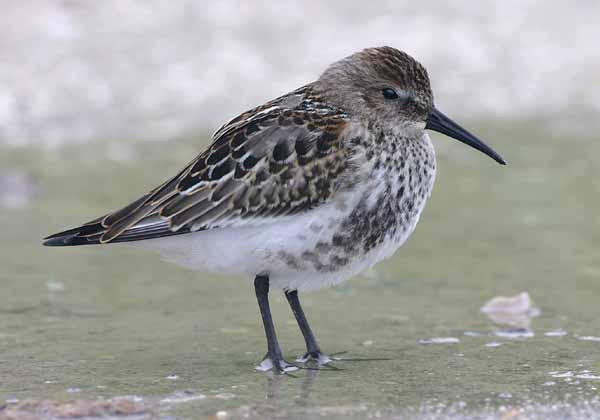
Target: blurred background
x,y
101,101
77,71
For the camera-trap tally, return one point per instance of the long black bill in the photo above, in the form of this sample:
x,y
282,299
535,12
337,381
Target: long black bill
x,y
437,121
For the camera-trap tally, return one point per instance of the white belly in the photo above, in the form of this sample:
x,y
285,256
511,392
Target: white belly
x,y
277,248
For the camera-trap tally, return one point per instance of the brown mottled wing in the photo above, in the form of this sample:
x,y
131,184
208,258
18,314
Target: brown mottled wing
x,y
274,163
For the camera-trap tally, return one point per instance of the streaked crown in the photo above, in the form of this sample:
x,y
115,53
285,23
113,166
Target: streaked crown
x,y
380,83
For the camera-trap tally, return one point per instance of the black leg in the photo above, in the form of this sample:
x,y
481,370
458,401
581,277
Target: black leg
x,y
313,351
274,354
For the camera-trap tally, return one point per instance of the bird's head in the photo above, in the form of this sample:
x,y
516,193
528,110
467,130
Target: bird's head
x,y
390,87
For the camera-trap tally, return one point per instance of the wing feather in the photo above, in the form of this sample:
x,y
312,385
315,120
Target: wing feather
x,y
271,161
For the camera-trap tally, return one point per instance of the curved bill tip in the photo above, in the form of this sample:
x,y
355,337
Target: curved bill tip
x,y
437,121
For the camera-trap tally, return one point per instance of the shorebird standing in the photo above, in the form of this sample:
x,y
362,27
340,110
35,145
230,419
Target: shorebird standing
x,y
304,191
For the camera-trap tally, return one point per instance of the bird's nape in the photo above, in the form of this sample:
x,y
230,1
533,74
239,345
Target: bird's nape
x,y
439,122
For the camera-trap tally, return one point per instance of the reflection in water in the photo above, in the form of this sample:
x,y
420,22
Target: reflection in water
x,y
278,400
307,386
275,382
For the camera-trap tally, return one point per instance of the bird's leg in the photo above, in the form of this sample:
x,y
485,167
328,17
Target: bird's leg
x,y
274,358
313,351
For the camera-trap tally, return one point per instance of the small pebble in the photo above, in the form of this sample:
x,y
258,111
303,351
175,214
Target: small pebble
x,y
440,340
567,374
515,333
182,397
587,376
588,338
555,333
225,396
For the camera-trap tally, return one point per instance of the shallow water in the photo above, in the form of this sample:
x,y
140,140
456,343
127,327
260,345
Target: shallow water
x,y
115,321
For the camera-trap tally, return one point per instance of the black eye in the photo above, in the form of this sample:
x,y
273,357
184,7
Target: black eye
x,y
389,93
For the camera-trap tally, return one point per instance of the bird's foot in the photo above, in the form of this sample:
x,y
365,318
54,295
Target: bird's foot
x,y
276,364
318,358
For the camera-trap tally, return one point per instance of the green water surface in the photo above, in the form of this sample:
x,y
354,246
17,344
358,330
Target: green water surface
x,y
110,321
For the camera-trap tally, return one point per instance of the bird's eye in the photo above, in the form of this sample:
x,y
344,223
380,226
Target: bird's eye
x,y
389,93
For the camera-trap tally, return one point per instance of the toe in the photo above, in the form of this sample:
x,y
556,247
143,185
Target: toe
x,y
317,357
277,365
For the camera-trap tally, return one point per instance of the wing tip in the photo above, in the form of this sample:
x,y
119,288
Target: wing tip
x,y
70,237
66,240
97,235
53,242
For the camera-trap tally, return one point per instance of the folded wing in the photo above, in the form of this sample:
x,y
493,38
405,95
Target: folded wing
x,y
274,162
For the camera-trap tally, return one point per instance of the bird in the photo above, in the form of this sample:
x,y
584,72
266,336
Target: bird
x,y
304,191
